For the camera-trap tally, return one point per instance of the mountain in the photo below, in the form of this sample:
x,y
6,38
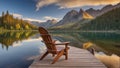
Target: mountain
x,y
71,16
86,15
75,25
46,24
74,16
108,21
105,9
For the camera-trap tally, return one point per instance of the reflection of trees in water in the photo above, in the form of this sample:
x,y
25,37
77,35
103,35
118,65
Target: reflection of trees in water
x,y
74,38
8,38
107,42
112,61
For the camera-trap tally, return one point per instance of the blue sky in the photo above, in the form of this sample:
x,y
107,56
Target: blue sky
x,y
47,9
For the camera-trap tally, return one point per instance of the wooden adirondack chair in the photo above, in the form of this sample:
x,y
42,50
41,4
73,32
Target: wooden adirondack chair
x,y
51,46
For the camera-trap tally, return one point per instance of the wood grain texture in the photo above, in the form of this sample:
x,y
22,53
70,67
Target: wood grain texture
x,y
77,58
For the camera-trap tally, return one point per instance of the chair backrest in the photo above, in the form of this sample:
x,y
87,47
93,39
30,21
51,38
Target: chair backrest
x,y
47,39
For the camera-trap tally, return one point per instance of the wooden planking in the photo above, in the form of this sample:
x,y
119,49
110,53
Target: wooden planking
x,y
78,58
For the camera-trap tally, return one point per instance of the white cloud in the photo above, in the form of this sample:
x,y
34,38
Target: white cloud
x,y
50,18
42,3
74,3
26,18
17,15
31,19
37,20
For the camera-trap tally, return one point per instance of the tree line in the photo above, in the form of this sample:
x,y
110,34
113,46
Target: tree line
x,y
9,22
107,21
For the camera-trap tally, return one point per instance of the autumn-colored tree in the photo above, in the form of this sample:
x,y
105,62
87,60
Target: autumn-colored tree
x,y
7,21
17,26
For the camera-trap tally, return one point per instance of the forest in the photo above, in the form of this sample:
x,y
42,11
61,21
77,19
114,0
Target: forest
x,y
107,21
9,22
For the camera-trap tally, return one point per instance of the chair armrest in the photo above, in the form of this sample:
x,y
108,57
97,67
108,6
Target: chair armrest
x,y
62,43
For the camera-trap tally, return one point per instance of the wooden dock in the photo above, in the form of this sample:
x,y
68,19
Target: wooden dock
x,y
78,58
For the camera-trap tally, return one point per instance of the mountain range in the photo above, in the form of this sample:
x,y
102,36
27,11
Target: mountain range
x,y
47,24
105,9
74,17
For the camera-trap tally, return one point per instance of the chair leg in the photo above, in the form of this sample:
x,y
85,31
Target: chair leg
x,y
58,56
66,54
46,53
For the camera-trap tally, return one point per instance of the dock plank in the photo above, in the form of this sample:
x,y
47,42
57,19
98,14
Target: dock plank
x,y
78,58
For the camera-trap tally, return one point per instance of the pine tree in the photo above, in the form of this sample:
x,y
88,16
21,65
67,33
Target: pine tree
x,y
3,14
7,21
7,13
2,18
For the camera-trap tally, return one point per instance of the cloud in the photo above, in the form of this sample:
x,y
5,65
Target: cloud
x,y
42,3
73,3
31,19
17,15
26,18
50,18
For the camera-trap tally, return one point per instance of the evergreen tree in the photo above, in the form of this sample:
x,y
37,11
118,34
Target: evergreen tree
x,y
3,14
107,21
7,13
7,21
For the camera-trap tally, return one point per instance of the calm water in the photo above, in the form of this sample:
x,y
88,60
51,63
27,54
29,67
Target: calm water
x,y
18,49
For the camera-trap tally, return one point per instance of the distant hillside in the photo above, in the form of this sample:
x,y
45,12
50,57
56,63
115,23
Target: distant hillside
x,y
8,22
72,25
46,24
107,21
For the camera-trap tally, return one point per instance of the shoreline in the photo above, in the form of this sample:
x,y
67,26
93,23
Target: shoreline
x,y
110,31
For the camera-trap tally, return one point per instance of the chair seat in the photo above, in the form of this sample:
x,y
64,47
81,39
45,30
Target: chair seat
x,y
59,48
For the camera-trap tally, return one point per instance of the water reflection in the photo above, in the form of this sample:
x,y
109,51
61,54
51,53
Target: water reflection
x,y
109,43
106,43
23,46
112,61
9,38
18,48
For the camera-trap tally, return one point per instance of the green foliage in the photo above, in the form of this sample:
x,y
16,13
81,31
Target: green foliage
x,y
105,42
107,21
26,27
8,38
7,21
17,26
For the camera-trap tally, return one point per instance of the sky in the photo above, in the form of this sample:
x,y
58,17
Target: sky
x,y
42,10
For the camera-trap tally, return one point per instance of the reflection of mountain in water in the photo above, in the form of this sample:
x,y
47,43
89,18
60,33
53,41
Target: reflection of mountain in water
x,y
8,38
106,42
112,61
74,38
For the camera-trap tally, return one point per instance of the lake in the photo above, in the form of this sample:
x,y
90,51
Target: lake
x,y
18,49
